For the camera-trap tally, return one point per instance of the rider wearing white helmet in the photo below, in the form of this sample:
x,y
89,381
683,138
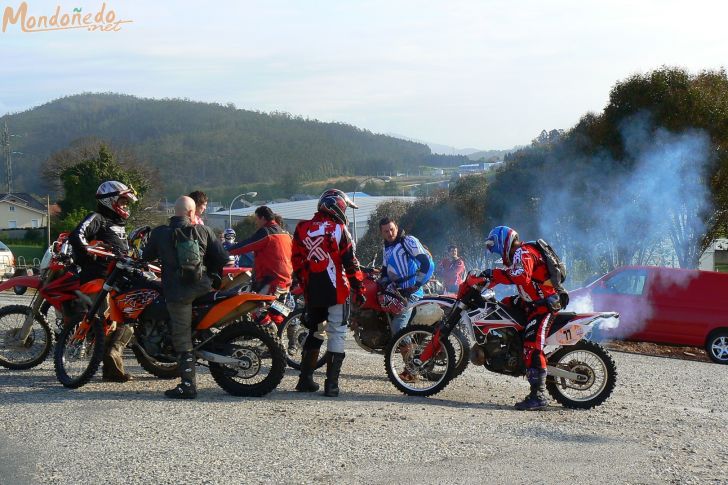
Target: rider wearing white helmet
x,y
106,225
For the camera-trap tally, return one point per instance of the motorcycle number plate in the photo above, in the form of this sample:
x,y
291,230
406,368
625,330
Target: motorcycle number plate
x,y
280,308
571,334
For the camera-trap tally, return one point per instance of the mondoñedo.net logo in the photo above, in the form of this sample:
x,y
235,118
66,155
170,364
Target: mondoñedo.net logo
x,y
102,19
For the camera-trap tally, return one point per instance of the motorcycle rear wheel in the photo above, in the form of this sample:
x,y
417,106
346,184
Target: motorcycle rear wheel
x,y
76,361
15,355
587,358
413,380
257,350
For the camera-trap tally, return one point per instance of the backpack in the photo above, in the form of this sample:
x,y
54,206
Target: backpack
x,y
556,268
189,257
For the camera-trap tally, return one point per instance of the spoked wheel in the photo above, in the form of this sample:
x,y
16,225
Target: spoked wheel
x,y
53,317
79,351
407,372
158,368
23,353
260,360
461,344
292,335
591,361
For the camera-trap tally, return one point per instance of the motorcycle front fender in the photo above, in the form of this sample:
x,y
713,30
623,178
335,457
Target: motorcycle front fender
x,y
32,281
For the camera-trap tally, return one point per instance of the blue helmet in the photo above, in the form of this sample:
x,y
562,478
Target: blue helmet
x,y
500,240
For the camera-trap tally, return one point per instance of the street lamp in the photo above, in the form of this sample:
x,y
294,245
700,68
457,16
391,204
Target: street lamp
x,y
353,198
230,210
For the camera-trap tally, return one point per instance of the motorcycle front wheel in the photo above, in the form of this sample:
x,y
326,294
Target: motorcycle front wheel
x,y
16,354
158,368
79,352
590,360
261,362
408,373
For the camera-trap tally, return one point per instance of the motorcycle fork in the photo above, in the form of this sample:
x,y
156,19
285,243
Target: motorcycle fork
x,y
441,332
34,307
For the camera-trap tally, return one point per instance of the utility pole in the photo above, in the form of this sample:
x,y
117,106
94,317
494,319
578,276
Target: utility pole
x,y
8,160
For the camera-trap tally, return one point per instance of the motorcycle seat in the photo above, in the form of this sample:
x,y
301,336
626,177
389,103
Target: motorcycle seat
x,y
214,296
560,321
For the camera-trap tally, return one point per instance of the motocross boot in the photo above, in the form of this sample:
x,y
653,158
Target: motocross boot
x,y
536,399
309,358
113,369
333,369
187,389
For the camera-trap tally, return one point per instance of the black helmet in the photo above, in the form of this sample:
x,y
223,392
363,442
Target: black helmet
x,y
334,203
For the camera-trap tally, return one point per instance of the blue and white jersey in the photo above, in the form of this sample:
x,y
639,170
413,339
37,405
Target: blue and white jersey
x,y
405,263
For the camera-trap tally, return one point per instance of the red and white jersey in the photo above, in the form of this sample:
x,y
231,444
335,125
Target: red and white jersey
x,y
324,260
528,272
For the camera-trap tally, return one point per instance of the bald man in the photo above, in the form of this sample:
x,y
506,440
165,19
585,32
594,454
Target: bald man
x,y
181,289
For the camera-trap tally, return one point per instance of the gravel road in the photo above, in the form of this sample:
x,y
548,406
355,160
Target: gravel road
x,y
665,423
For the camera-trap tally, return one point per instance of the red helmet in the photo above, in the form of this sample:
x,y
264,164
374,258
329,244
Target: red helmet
x,y
391,300
334,203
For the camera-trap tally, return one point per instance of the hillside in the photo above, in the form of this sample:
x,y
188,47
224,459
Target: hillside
x,y
203,144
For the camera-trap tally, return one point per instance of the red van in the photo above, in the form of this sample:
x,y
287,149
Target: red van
x,y
666,305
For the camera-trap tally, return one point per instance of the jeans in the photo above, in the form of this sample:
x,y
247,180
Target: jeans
x,y
401,320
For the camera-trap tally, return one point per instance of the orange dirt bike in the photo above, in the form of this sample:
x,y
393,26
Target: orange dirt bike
x,y
244,359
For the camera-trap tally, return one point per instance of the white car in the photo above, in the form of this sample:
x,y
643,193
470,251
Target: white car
x,y
7,261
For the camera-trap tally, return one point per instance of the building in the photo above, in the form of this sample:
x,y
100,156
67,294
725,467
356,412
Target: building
x,y
19,210
295,211
715,258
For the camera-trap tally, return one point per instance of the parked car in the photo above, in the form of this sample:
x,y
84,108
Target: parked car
x,y
664,305
7,261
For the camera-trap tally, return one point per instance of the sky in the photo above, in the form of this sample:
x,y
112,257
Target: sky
x,y
481,74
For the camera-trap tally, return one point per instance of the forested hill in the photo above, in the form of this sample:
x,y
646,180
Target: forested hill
x,y
194,143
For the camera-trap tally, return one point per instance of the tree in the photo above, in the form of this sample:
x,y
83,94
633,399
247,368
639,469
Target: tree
x,y
80,171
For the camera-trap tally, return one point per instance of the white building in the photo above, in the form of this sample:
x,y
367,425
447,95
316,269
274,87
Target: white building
x,y
293,212
715,258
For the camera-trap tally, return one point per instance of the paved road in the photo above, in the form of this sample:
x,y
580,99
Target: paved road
x,y
666,422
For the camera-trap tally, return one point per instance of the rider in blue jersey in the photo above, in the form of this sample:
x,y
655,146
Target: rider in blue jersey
x,y
407,266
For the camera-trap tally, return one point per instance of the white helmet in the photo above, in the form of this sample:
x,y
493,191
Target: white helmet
x,y
109,193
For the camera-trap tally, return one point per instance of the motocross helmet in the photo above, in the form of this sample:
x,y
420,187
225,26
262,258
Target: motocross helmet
x,y
334,203
500,240
138,239
109,195
229,234
391,300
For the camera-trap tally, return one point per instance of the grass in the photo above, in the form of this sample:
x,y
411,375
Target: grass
x,y
27,252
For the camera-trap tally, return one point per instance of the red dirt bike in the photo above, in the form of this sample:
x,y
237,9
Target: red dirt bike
x,y
581,373
25,335
244,359
371,323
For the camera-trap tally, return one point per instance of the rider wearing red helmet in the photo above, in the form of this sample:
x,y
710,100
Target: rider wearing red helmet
x,y
325,264
527,269
106,225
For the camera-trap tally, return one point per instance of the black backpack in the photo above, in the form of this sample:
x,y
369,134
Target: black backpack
x,y
189,255
556,268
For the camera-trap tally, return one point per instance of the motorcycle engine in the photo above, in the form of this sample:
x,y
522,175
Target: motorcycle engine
x,y
504,351
154,336
371,328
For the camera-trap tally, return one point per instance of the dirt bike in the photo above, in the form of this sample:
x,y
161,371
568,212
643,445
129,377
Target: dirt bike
x,y
371,323
25,335
581,373
243,358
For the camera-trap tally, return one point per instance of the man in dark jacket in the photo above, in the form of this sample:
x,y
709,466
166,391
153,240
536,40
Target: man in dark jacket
x,y
180,294
106,225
